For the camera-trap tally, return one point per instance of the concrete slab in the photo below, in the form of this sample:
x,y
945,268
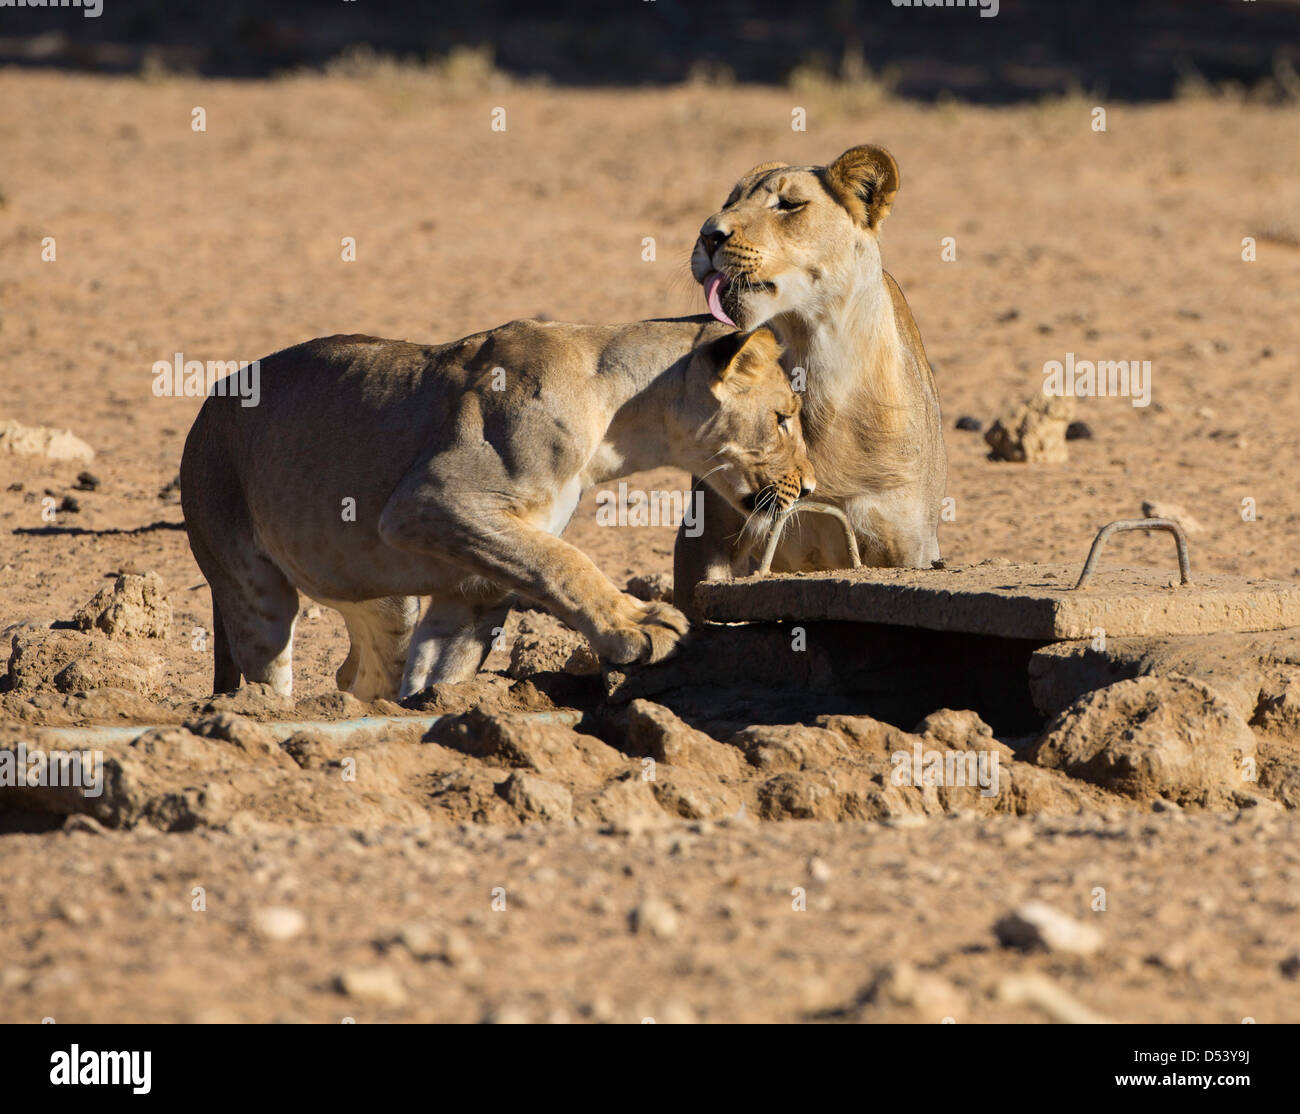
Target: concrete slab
x,y
1012,601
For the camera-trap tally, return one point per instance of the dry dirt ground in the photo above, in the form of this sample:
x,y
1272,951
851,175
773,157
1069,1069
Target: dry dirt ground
x,y
226,244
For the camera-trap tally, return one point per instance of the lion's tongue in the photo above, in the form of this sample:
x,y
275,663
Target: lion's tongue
x,y
713,287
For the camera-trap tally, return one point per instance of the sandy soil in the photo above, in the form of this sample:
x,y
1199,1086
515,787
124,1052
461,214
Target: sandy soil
x,y
689,923
225,244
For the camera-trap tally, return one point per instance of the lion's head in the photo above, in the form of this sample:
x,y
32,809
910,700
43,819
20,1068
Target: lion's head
x,y
743,422
791,239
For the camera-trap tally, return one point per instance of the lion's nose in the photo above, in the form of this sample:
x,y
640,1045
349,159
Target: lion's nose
x,y
807,487
713,238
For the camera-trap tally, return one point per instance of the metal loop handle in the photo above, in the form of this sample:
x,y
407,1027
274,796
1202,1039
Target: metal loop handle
x,y
1167,524
778,527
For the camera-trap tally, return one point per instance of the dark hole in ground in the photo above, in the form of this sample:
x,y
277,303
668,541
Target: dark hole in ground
x,y
730,676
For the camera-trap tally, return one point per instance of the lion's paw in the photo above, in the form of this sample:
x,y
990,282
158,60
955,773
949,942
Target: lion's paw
x,y
646,632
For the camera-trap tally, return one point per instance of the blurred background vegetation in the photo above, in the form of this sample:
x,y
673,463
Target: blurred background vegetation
x,y
1124,49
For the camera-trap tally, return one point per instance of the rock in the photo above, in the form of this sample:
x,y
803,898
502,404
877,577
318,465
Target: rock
x,y
1035,791
536,798
1278,708
1038,927
562,651
901,985
87,481
472,797
1279,771
1150,737
85,674
969,424
278,922
963,730
78,822
693,795
381,985
651,587
1078,431
628,803
798,796
450,947
522,741
53,444
1040,992
248,736
654,918
868,737
134,607
70,505
418,940
173,780
456,950
655,731
1244,669
1153,509
69,661
322,705
1033,433
790,747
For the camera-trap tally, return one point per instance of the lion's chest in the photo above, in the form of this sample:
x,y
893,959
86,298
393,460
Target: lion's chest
x,y
554,516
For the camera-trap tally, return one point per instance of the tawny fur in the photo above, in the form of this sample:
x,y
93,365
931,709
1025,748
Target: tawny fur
x,y
376,472
799,248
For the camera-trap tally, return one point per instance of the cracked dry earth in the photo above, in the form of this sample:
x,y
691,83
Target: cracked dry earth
x,y
765,873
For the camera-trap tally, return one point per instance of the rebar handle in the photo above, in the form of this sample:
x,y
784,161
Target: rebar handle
x,y
1118,527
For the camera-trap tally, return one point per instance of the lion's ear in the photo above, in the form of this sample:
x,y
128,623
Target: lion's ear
x,y
763,168
864,180
741,357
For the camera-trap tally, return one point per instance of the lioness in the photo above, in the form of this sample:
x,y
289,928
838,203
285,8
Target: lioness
x,y
373,472
796,247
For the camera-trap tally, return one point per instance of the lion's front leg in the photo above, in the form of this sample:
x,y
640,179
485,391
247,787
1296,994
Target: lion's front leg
x,y
489,540
708,554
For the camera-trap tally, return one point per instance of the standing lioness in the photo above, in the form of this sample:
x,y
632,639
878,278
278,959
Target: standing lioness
x,y
373,472
796,247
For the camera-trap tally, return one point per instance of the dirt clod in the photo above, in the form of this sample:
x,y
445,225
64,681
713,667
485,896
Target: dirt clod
x,y
134,607
1034,432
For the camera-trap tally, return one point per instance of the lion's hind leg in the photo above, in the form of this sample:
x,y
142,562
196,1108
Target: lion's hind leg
x,y
455,637
380,632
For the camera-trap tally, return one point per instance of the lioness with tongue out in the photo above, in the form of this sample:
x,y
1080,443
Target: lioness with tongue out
x,y
796,248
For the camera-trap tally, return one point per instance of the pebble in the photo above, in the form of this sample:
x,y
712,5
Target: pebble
x,y
1035,925
655,918
80,822
1040,991
373,984
278,922
818,870
1152,508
